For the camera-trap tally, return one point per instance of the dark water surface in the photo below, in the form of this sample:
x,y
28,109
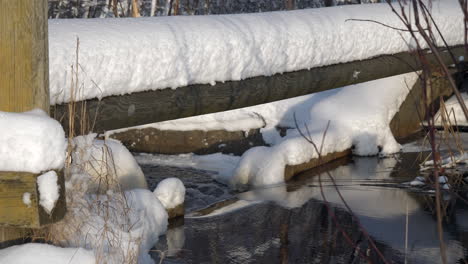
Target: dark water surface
x,y
292,223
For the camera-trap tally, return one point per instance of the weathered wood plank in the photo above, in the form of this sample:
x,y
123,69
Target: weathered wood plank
x,y
154,106
14,212
152,140
24,78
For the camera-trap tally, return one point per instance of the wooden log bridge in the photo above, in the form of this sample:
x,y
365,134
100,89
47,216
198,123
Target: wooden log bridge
x,y
140,108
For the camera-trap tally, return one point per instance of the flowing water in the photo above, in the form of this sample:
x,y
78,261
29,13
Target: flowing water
x,y
305,220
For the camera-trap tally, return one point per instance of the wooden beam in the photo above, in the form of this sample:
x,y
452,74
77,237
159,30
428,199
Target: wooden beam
x,y
14,186
24,85
154,106
24,78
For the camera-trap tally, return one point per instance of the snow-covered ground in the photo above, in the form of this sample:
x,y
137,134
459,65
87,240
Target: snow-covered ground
x,y
43,253
119,56
359,117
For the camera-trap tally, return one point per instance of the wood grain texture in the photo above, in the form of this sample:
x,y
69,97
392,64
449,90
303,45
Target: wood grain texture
x,y
15,213
24,78
154,106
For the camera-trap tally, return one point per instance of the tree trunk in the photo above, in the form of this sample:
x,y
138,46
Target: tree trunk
x,y
169,7
154,6
176,8
135,9
115,9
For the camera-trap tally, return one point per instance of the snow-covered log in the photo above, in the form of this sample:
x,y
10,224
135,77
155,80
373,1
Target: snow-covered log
x,y
140,108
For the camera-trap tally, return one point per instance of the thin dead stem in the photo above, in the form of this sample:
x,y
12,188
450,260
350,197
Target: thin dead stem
x,y
318,150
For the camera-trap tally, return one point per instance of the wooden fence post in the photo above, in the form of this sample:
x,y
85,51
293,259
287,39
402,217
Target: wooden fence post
x,y
24,70
24,85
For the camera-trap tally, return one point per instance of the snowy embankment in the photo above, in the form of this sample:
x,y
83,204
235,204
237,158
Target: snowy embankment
x,y
359,117
120,56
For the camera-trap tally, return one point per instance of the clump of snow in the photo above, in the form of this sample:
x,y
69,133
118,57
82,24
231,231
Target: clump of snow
x,y
443,179
31,142
33,253
421,182
27,199
448,162
170,192
119,226
178,51
417,182
47,185
108,162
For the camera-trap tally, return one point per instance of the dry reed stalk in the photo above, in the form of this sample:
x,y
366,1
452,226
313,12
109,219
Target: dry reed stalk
x,y
113,209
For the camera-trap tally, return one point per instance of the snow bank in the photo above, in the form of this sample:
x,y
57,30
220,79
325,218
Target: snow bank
x,y
48,190
42,253
108,162
359,117
170,192
454,111
120,56
31,142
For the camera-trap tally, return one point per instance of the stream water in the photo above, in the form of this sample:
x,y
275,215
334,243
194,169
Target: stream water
x,y
298,223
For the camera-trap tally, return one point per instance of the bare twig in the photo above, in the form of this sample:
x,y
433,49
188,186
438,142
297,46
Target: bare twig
x,y
309,139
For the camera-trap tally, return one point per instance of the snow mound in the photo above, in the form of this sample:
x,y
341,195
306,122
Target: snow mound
x,y
48,190
119,226
108,162
359,117
31,142
171,192
177,51
43,253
